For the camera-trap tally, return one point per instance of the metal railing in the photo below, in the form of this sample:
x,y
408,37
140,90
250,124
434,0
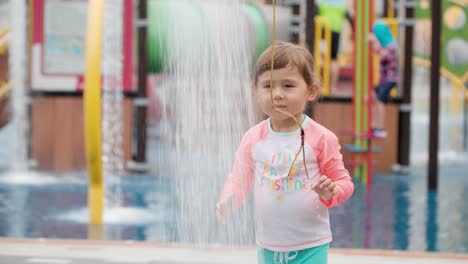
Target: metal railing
x,y
457,83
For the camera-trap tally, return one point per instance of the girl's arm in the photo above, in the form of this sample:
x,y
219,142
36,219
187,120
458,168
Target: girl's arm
x,y
331,165
377,48
239,183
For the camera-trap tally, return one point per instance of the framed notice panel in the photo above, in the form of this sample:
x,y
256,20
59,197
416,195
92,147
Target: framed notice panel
x,y
58,45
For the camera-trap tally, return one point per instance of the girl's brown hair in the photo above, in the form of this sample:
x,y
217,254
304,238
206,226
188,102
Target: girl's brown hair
x,y
288,55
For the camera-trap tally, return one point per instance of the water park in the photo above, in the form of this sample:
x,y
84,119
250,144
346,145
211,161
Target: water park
x,y
120,121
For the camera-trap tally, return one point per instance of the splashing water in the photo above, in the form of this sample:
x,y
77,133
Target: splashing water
x,y
17,63
205,90
451,131
112,100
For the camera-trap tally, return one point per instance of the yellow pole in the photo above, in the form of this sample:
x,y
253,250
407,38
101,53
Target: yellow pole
x,y
392,23
457,88
327,59
4,89
317,42
322,61
92,109
4,40
391,8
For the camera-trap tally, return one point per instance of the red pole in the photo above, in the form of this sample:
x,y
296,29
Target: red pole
x,y
353,155
362,77
369,99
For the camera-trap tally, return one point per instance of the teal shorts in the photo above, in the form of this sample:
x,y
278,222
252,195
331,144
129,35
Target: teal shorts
x,y
315,255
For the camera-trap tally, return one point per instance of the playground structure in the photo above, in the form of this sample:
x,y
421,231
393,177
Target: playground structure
x,y
361,148
361,158
60,99
62,111
54,95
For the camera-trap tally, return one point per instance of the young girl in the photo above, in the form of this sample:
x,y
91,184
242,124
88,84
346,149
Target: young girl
x,y
387,48
292,196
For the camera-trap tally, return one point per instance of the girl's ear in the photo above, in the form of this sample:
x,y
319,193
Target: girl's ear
x,y
313,92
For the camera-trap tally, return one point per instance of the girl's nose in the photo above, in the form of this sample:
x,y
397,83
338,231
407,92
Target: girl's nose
x,y
277,95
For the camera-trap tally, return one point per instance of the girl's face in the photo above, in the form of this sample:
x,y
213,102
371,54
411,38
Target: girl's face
x,y
290,93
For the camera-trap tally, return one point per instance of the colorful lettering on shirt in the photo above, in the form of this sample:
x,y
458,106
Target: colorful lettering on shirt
x,y
286,184
280,158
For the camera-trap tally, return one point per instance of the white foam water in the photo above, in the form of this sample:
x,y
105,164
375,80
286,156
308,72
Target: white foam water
x,y
206,94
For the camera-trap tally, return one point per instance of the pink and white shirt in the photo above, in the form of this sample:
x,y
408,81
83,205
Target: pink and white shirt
x,y
289,215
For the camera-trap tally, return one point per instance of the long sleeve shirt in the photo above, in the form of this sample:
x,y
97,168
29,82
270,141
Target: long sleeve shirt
x,y
388,59
289,215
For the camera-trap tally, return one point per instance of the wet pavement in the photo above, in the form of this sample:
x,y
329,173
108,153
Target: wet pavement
x,y
26,251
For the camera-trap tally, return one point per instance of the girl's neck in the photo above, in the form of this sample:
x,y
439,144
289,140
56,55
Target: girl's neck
x,y
286,125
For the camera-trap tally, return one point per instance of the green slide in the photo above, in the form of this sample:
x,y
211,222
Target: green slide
x,y
190,20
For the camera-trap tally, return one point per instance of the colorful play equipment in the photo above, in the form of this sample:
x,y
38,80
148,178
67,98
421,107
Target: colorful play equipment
x,y
361,148
364,75
159,14
191,14
454,62
457,83
259,23
322,53
257,19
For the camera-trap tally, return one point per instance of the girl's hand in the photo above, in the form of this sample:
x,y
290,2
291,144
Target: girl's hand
x,y
325,188
222,209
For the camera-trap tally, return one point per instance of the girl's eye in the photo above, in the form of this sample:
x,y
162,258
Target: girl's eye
x,y
289,86
266,86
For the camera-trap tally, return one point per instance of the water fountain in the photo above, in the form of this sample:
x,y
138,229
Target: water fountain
x,y
207,102
17,63
112,110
